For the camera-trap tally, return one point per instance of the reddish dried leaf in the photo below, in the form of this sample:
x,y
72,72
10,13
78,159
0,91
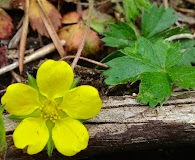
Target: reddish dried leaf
x,y
68,34
3,57
70,17
92,43
36,20
73,35
6,25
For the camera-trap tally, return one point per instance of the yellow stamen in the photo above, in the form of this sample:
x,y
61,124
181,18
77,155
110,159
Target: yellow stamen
x,y
50,110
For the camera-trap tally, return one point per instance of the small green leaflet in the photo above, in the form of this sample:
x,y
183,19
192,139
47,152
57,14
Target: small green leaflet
x,y
120,35
188,47
155,65
157,20
183,76
154,88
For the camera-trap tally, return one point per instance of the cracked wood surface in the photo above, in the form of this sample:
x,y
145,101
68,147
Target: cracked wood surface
x,y
124,124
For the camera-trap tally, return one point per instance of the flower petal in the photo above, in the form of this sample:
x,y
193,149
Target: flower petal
x,y
70,136
82,102
20,99
54,78
32,133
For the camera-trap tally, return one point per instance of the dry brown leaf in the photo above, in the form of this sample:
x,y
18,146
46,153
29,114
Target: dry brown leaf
x,y
71,17
6,25
3,57
36,20
72,34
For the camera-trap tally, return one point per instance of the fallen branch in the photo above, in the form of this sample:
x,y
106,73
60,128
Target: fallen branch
x,y
36,55
124,124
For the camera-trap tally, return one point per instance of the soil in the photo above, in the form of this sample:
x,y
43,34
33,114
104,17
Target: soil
x,y
87,74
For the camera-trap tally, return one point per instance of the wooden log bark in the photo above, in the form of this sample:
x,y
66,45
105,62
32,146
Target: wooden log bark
x,y
124,124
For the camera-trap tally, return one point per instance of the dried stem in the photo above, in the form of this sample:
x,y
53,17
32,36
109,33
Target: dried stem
x,y
180,36
88,60
37,54
23,38
166,4
78,54
50,28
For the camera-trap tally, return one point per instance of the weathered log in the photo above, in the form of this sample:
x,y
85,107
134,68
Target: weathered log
x,y
124,124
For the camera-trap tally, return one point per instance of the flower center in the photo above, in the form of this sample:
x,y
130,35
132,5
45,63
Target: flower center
x,y
50,110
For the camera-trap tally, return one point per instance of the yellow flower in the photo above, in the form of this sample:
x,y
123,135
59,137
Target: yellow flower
x,y
52,111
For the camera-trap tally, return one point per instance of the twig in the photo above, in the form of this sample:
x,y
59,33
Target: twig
x,y
88,60
166,4
23,38
2,91
78,54
50,28
180,36
16,76
13,43
37,54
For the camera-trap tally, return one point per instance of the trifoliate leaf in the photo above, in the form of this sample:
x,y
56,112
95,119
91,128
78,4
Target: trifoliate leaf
x,y
183,76
150,63
157,20
133,8
154,88
120,35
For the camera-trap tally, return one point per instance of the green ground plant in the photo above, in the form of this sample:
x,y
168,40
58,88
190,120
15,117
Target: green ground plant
x,y
150,57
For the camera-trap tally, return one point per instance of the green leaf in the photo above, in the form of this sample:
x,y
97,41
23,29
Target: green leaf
x,y
155,88
157,20
174,55
120,35
168,33
3,143
189,57
124,68
183,76
110,57
148,62
188,47
133,8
